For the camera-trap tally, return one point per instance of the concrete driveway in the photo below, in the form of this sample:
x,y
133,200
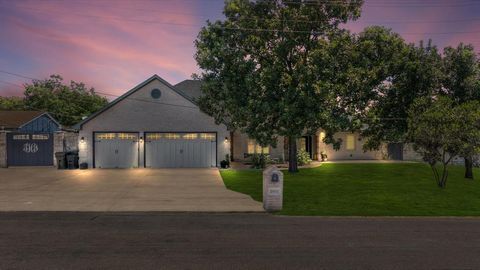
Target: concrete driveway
x,y
48,189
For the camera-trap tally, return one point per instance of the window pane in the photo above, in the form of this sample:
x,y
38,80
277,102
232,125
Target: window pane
x,y
350,144
21,137
105,136
190,136
207,136
154,136
40,136
251,146
127,136
266,150
172,136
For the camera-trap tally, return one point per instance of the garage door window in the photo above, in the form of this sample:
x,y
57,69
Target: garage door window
x,y
40,136
106,136
207,136
21,137
127,136
172,136
154,136
190,136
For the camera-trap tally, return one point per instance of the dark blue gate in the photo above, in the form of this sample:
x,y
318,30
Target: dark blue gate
x,y
29,149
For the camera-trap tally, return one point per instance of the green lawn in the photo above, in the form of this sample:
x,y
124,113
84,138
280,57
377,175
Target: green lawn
x,y
393,189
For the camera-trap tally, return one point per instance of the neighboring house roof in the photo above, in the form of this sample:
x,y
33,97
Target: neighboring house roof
x,y
17,119
131,91
192,88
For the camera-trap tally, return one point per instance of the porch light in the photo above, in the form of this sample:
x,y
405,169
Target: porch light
x,y
82,140
141,139
226,139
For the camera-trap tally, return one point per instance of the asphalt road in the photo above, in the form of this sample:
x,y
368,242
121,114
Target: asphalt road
x,y
234,241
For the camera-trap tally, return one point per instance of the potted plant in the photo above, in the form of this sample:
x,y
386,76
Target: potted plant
x,y
324,156
226,162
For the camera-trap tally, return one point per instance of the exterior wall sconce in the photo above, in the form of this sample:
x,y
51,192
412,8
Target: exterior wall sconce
x,y
141,139
226,139
82,140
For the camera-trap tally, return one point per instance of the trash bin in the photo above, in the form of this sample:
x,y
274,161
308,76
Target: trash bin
x,y
72,160
61,162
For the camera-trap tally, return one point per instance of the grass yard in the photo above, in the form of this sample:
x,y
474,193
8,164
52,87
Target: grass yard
x,y
347,189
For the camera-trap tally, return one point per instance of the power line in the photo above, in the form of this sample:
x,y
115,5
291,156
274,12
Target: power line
x,y
243,28
102,93
5,82
17,75
367,3
278,20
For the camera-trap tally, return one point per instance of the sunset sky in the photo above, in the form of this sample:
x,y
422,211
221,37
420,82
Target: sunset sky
x,y
113,45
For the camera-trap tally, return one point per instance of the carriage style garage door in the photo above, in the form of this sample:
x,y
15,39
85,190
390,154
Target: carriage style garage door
x,y
116,150
180,150
27,149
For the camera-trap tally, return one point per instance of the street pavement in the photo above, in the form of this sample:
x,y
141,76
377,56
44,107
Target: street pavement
x,y
82,240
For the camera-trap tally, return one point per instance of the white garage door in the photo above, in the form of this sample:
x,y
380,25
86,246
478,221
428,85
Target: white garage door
x,y
116,150
180,150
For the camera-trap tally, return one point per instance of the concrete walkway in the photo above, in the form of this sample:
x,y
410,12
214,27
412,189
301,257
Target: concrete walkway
x,y
47,189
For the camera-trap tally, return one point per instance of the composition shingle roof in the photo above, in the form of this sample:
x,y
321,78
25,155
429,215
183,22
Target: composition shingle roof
x,y
15,119
191,88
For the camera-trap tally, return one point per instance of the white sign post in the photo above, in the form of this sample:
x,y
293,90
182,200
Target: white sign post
x,y
272,189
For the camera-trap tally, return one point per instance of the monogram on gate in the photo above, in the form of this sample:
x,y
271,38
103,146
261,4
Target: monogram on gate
x,y
30,148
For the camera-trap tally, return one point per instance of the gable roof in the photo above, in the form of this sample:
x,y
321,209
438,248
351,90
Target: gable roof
x,y
190,87
17,119
131,91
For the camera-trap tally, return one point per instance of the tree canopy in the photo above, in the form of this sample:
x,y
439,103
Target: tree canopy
x,y
67,103
441,130
415,71
261,68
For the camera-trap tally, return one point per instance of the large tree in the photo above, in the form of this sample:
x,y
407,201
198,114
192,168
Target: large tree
x,y
461,67
415,72
67,103
260,67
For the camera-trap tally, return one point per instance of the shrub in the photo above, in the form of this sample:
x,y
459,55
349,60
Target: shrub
x,y
259,161
226,162
303,157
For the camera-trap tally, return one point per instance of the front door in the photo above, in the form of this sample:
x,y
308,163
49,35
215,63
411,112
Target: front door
x,y
306,144
395,151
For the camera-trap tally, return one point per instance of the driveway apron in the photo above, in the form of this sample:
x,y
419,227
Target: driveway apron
x,y
190,190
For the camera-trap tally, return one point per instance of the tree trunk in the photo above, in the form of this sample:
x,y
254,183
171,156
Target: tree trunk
x,y
292,154
444,176
469,168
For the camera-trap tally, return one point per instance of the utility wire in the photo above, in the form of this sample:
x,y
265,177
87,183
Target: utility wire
x,y
5,82
101,93
289,20
332,2
243,28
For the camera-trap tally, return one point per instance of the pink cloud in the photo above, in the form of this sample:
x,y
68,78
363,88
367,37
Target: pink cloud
x,y
104,48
